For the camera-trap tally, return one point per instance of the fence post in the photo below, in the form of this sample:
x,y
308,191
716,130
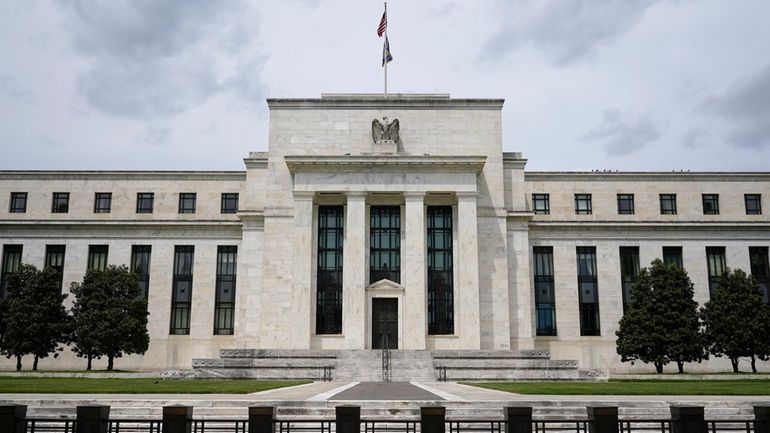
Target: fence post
x,y
177,419
761,419
432,419
518,419
92,418
348,419
261,419
602,419
12,418
687,419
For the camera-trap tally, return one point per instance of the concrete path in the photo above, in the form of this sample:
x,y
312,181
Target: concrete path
x,y
401,391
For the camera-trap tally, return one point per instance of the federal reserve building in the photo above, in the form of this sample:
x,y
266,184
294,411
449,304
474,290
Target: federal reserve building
x,y
393,221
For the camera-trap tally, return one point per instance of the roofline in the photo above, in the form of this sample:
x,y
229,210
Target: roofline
x,y
123,174
377,102
647,175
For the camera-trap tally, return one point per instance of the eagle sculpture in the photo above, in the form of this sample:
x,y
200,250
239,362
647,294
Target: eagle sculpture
x,y
382,130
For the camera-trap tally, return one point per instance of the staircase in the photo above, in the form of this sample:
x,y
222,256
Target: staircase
x,y
266,364
366,366
492,365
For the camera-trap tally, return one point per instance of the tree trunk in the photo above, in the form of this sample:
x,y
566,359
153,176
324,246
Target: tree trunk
x,y
89,362
680,366
18,362
34,364
658,367
753,364
110,362
734,362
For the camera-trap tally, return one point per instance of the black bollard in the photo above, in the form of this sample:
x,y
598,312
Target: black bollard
x,y
261,419
761,419
433,419
518,419
12,418
177,419
602,419
687,419
92,418
348,419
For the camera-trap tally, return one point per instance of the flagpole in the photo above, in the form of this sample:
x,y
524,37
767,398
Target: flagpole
x,y
386,63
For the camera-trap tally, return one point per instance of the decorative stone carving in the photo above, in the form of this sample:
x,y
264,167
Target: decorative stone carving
x,y
382,131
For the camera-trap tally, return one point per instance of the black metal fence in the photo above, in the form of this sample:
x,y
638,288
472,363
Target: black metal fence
x,y
179,419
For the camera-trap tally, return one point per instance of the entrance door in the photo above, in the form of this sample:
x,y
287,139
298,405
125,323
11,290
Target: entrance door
x,y
384,322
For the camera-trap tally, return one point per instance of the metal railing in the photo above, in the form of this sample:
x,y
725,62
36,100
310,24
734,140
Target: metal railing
x,y
385,358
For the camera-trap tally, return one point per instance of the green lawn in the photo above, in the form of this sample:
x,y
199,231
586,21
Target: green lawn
x,y
636,387
135,386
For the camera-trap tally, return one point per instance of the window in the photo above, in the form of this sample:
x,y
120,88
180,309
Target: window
x,y
440,271
144,202
187,202
229,202
541,204
140,265
54,258
60,202
760,270
625,204
385,243
629,270
715,257
753,204
583,204
673,256
103,202
545,301
710,204
18,202
224,302
668,204
588,291
10,264
97,257
181,292
328,315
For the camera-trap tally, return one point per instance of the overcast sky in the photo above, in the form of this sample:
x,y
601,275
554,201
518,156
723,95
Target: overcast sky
x,y
151,84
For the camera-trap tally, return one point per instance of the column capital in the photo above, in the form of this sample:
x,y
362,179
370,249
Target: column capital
x,y
303,195
414,196
467,195
355,195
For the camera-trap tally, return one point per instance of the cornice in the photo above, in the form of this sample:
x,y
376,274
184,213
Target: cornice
x,y
120,175
377,102
625,225
716,176
384,163
117,224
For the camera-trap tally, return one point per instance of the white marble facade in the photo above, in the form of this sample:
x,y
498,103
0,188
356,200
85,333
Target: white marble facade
x,y
321,152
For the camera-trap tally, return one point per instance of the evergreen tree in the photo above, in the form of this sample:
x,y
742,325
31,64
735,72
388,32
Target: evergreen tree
x,y
110,315
661,324
735,319
35,320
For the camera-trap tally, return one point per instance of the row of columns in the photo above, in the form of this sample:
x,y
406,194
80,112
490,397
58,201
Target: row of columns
x,y
413,271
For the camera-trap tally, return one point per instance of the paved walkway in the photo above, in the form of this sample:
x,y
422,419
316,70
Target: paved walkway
x,y
385,391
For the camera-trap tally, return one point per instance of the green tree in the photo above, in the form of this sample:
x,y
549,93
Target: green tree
x,y
110,315
35,320
661,324
735,319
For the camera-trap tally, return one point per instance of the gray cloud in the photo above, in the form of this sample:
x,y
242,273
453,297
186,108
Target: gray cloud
x,y
622,134
151,58
12,89
156,135
694,138
745,109
563,31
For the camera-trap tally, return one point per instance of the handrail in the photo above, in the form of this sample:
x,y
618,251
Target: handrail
x,y
385,358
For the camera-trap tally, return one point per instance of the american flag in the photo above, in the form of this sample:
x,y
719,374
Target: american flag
x,y
383,24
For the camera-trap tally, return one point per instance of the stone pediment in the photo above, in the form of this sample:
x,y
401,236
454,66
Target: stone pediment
x,y
385,285
385,163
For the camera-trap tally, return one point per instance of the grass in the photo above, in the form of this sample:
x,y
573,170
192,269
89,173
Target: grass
x,y
57,385
636,387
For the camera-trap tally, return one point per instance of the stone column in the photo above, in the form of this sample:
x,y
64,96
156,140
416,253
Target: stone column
x,y
302,284
467,324
415,323
354,272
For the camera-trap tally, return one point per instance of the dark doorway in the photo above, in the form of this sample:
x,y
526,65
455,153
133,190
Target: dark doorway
x,y
384,322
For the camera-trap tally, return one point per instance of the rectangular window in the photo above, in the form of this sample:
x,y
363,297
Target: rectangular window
x,y
224,302
97,257
229,202
583,204
668,204
18,202
60,202
385,243
753,204
10,264
545,300
144,202
103,202
760,270
440,271
710,204
328,315
625,204
629,270
541,204
588,291
187,202
673,256
715,257
54,258
181,292
140,265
